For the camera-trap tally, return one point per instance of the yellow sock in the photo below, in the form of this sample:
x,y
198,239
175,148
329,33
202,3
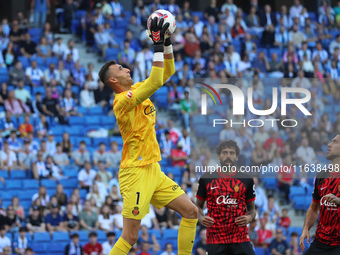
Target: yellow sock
x,y
186,236
121,247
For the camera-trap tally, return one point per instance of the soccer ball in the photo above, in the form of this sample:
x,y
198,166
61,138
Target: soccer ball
x,y
168,17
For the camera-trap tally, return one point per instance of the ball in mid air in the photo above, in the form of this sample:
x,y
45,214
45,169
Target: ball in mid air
x,y
168,17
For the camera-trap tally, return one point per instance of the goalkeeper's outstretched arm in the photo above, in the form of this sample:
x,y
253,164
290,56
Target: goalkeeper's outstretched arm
x,y
169,61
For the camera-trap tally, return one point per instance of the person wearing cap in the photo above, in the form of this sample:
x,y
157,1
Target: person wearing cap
x,y
74,247
35,222
93,247
20,243
179,157
54,221
107,246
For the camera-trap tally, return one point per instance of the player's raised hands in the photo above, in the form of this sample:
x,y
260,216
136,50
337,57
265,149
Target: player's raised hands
x,y
206,221
243,220
157,30
305,234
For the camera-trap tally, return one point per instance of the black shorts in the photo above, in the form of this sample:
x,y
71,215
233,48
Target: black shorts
x,y
245,248
318,248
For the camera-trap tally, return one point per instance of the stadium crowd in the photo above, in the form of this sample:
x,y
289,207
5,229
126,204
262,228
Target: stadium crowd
x,y
70,180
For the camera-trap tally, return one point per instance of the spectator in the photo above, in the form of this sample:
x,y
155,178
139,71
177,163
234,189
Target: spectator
x,y
8,158
323,55
118,217
93,247
66,144
7,124
70,221
42,195
264,234
52,74
286,176
13,220
81,155
100,154
71,50
166,145
69,13
179,157
188,108
68,105
43,49
74,247
26,127
98,196
56,172
35,222
43,149
168,250
92,77
253,235
191,45
16,74
86,176
105,219
13,142
26,156
296,36
21,242
105,175
278,245
54,221
3,93
22,94
51,107
114,156
77,77
59,48
59,157
295,248
305,153
16,33
18,209
107,246
201,245
284,220
51,144
28,48
60,195
102,94
35,75
15,106
5,242
9,55
87,96
261,64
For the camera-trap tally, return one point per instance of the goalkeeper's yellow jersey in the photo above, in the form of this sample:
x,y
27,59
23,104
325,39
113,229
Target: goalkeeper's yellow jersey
x,y
136,118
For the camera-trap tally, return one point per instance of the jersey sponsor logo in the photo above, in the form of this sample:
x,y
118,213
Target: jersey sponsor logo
x,y
175,187
323,188
135,211
226,200
129,94
214,187
236,188
331,206
149,109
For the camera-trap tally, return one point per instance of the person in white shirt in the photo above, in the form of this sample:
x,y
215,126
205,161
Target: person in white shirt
x,y
35,75
51,144
198,25
296,9
118,217
92,76
52,73
305,153
42,194
321,53
107,246
227,133
87,96
8,157
168,250
335,43
105,219
86,176
5,242
71,50
301,81
59,48
150,220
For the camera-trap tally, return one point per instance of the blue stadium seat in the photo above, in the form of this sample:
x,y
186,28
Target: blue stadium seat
x,y
4,173
175,170
111,53
51,60
71,173
56,248
162,102
170,234
60,236
39,247
18,174
57,130
83,235
270,183
101,235
299,202
13,184
25,61
259,251
199,14
30,184
87,140
2,186
83,194
25,204
119,32
92,120
8,195
108,121
41,237
76,130
296,191
48,183
70,183
27,195
95,111
312,16
35,31
74,26
82,110
161,91
97,141
40,61
74,120
80,14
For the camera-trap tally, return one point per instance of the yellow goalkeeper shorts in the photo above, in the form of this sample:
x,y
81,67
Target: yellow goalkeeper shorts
x,y
143,185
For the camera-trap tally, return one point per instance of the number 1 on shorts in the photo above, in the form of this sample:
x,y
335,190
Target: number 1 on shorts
x,y
138,194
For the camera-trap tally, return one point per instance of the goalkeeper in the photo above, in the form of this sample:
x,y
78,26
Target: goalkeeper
x,y
141,180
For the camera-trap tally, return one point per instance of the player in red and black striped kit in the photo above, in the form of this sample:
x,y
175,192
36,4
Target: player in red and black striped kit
x,y
230,198
326,199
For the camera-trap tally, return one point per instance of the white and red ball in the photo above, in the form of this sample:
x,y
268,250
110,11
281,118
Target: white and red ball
x,y
168,17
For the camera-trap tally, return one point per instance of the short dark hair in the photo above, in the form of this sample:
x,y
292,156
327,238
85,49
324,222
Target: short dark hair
x,y
294,234
111,234
103,70
228,144
93,234
74,235
23,229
